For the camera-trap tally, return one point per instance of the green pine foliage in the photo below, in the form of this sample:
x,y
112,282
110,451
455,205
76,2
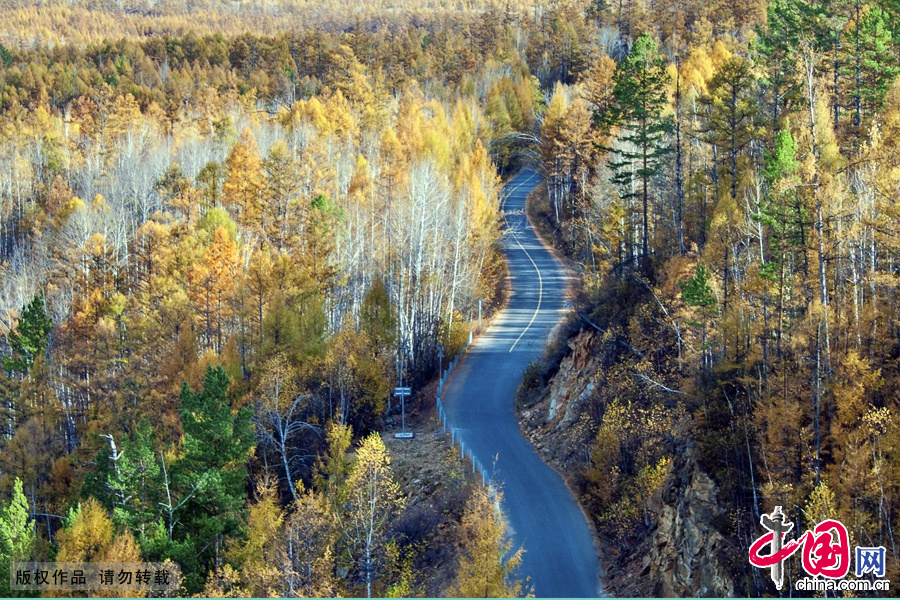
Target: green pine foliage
x,y
17,537
30,337
696,290
212,473
640,94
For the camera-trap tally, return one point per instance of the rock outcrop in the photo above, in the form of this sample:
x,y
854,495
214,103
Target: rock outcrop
x,y
682,557
572,384
680,553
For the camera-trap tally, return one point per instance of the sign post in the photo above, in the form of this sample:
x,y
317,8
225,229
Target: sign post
x,y
403,393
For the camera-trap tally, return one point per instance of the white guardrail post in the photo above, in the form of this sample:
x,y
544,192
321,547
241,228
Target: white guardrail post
x,y
455,435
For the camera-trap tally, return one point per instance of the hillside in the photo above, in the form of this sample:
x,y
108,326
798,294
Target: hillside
x,y
729,207
229,230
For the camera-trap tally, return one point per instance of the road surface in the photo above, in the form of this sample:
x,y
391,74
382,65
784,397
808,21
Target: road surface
x,y
479,399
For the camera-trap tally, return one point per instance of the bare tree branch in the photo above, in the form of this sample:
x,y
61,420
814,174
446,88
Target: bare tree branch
x,y
657,384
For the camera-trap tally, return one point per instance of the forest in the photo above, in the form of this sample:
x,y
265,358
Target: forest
x,y
227,232
729,200
219,255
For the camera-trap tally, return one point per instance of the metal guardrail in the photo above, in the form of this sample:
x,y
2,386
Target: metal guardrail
x,y
456,437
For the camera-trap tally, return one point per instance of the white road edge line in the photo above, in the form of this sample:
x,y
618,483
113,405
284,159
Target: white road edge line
x,y
512,191
540,294
537,270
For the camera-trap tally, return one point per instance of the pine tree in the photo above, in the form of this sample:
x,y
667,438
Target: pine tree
x,y
787,22
696,291
16,536
213,471
322,225
878,64
639,93
783,217
29,338
731,113
128,474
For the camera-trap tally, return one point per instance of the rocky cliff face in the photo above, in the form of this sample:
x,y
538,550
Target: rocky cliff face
x,y
573,383
556,424
682,552
679,553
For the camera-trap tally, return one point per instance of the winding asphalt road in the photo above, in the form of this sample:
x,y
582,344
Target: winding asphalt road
x,y
479,399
